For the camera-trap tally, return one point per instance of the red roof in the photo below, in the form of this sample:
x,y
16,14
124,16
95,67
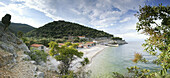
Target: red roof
x,y
36,45
80,43
60,44
89,42
81,36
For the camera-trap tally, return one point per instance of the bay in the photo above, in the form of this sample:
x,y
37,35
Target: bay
x,y
117,59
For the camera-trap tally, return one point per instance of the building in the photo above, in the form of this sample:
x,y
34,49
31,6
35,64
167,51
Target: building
x,y
39,47
82,37
90,44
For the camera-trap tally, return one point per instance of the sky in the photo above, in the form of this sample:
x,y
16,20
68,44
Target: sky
x,y
112,16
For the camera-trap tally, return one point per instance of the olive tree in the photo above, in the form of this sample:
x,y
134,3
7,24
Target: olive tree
x,y
65,54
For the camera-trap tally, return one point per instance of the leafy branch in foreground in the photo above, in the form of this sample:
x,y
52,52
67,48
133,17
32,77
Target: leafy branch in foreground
x,y
159,38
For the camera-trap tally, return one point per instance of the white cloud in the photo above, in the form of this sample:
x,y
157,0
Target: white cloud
x,y
99,14
17,13
125,19
132,36
2,4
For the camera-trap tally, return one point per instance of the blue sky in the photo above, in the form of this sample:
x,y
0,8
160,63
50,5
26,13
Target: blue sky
x,y
113,16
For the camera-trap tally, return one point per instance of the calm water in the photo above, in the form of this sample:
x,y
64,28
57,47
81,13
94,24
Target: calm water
x,y
117,59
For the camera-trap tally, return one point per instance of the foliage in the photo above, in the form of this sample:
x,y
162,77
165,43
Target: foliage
x,y
65,54
20,34
37,55
44,41
138,57
62,29
17,27
77,39
159,38
117,75
6,20
85,62
28,41
140,73
116,38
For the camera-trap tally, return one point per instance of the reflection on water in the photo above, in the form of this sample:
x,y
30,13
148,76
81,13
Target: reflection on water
x,y
117,59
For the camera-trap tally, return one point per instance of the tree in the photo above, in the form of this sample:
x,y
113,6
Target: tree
x,y
65,54
116,38
20,34
6,20
159,35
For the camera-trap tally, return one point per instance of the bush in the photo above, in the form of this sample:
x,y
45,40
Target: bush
x,y
37,55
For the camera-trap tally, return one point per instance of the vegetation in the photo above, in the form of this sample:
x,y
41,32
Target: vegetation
x,y
44,41
60,29
159,39
20,34
6,21
18,27
65,54
116,38
37,55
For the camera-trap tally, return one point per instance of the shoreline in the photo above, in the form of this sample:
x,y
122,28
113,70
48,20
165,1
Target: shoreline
x,y
90,53
96,54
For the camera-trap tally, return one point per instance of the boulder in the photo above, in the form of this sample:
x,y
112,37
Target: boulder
x,y
40,74
33,62
6,58
42,63
25,57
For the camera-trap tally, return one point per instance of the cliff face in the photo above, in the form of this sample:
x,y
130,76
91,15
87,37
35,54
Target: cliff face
x,y
9,45
14,63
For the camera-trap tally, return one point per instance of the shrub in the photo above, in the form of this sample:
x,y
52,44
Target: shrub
x,y
37,55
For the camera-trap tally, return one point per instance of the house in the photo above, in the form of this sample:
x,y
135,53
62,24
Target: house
x,y
82,37
95,41
39,47
80,45
89,44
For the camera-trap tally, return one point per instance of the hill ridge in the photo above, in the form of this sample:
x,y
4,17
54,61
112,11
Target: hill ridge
x,y
59,29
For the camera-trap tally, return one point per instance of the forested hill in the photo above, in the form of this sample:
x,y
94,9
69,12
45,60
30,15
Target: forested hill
x,y
60,29
16,27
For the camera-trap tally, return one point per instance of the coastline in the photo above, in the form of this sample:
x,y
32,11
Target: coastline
x,y
91,52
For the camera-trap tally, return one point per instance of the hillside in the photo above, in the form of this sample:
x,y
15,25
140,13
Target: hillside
x,y
59,29
15,63
15,27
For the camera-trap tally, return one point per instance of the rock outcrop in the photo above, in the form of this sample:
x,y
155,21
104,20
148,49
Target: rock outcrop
x,y
9,45
121,42
14,63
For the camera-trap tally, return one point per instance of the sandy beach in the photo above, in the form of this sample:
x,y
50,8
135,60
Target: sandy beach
x,y
88,52
92,51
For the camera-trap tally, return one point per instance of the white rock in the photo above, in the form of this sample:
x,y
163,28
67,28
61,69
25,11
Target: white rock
x,y
35,68
42,63
40,74
33,62
25,57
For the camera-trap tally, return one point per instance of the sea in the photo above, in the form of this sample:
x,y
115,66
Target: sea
x,y
117,59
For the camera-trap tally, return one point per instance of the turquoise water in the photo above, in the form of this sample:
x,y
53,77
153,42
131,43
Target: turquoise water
x,y
117,59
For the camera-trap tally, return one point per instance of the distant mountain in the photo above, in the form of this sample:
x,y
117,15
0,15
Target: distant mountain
x,y
15,27
60,29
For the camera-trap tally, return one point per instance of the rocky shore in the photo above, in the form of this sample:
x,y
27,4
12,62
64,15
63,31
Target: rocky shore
x,y
120,42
